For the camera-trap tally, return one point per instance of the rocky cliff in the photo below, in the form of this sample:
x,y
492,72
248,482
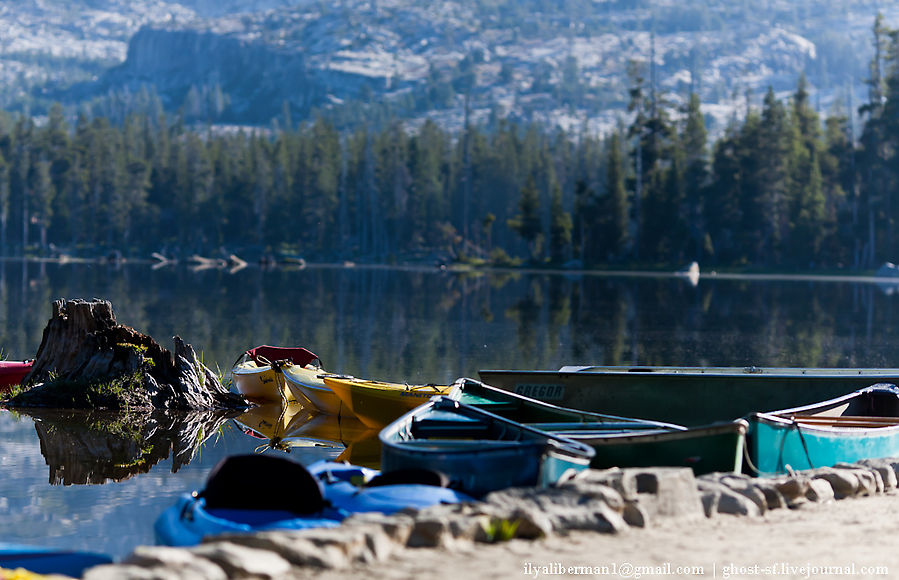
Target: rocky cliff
x,y
566,64
255,77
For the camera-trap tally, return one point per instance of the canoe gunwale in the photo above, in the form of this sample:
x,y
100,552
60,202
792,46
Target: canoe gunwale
x,y
739,427
748,371
309,386
774,420
245,369
473,385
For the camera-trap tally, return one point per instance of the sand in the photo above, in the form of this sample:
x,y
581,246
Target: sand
x,y
850,538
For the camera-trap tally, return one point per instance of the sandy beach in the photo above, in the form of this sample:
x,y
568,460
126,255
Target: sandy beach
x,y
850,538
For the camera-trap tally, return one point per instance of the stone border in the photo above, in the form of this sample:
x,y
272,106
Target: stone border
x,y
605,501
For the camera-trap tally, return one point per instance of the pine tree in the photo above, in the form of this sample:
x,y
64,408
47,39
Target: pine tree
x,y
43,193
767,201
838,176
193,190
428,152
654,201
498,165
808,212
618,218
559,228
322,168
393,185
889,134
585,234
722,207
260,186
4,206
873,154
527,222
696,175
637,132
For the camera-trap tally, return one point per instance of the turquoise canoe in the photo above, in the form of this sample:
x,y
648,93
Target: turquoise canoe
x,y
861,425
477,450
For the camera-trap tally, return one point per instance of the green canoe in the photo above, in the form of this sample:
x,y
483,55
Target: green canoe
x,y
619,441
685,395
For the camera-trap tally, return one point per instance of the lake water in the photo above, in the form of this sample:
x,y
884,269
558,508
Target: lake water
x,y
69,483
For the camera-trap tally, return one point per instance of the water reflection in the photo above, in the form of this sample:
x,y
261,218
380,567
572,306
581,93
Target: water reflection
x,y
273,420
360,443
434,326
113,518
285,428
95,447
90,447
419,326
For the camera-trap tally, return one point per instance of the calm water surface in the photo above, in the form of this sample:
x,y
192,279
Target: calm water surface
x,y
69,483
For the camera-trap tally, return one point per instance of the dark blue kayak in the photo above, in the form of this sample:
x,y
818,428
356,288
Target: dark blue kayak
x,y
247,493
49,560
478,451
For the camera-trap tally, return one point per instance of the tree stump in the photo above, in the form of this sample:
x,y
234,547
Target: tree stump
x,y
87,360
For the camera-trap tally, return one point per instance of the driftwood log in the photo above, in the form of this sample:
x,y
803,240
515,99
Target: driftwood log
x,y
87,360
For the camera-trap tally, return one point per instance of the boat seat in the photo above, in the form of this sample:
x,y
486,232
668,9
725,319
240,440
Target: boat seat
x,y
486,403
262,482
265,355
847,421
597,426
432,428
410,475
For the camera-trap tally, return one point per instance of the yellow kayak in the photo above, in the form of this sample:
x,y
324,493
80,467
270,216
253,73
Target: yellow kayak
x,y
376,403
306,385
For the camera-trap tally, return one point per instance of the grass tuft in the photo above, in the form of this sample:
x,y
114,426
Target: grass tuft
x,y
500,530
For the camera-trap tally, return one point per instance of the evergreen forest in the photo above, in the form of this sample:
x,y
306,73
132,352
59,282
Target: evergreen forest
x,y
784,187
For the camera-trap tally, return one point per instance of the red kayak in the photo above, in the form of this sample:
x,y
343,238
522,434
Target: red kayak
x,y
12,372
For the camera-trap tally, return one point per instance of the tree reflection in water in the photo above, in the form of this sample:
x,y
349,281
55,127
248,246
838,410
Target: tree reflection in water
x,y
95,447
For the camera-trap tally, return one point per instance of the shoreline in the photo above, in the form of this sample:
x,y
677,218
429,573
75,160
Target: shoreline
x,y
618,523
840,538
236,264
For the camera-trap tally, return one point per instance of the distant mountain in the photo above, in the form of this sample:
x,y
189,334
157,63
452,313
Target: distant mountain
x,y
215,8
561,62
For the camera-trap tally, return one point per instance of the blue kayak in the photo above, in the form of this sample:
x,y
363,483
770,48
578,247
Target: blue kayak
x,y
49,560
248,493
